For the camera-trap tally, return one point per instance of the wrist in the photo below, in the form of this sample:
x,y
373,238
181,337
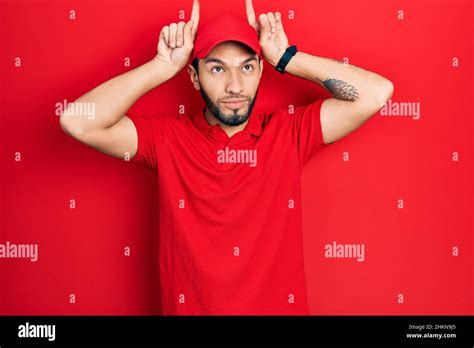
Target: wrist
x,y
287,56
159,71
277,57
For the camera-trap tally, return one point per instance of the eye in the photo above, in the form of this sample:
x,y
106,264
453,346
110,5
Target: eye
x,y
250,66
216,67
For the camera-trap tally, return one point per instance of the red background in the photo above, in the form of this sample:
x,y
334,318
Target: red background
x,y
81,251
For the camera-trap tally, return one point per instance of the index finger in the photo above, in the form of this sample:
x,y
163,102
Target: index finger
x,y
195,16
250,14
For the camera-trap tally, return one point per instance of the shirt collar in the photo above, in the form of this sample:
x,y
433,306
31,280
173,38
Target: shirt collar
x,y
254,125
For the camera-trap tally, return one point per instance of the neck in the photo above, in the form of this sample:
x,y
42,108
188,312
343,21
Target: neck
x,y
230,130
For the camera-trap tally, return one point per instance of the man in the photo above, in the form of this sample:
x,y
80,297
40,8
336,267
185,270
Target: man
x,y
230,237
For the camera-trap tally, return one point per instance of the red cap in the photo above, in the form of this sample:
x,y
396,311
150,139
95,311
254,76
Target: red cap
x,y
225,27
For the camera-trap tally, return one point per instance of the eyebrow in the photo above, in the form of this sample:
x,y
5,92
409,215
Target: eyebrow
x,y
215,60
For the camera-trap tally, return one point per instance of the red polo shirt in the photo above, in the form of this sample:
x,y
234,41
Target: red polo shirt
x,y
230,234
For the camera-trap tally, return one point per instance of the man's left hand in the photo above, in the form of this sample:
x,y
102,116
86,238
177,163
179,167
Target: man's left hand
x,y
270,31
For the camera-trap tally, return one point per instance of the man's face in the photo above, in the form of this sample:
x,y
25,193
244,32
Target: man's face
x,y
228,81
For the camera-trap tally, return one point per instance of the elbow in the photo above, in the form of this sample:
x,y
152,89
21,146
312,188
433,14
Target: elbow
x,y
390,89
385,92
379,99
70,129
64,124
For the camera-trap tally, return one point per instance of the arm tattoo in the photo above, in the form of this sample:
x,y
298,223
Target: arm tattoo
x,y
340,89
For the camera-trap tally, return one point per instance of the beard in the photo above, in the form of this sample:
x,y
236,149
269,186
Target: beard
x,y
233,119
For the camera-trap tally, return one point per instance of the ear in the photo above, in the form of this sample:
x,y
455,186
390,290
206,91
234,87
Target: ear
x,y
194,77
261,67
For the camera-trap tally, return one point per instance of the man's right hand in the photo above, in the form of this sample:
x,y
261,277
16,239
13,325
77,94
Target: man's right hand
x,y
177,41
110,130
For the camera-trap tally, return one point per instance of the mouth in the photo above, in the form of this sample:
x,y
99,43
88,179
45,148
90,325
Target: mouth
x,y
234,103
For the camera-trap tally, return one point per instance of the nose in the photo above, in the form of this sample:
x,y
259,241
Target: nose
x,y
234,83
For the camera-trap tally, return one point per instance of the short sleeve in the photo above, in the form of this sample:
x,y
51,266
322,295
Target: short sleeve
x,y
150,137
306,130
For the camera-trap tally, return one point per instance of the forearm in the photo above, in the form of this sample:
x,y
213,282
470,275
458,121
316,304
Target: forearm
x,y
343,81
113,98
